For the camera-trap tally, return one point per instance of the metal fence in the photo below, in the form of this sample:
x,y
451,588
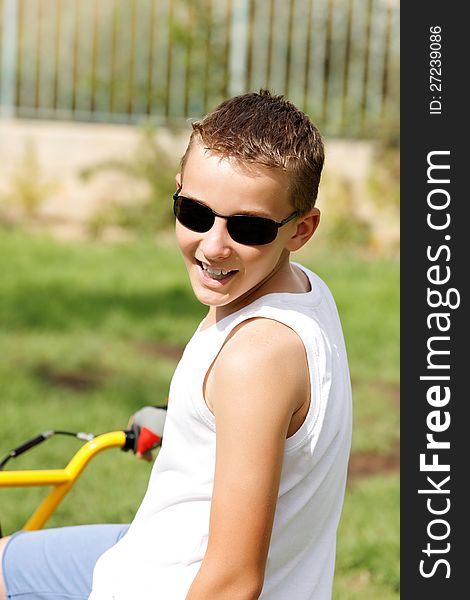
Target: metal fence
x,y
171,60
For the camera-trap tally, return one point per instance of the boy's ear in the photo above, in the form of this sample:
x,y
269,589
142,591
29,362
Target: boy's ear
x,y
306,227
178,180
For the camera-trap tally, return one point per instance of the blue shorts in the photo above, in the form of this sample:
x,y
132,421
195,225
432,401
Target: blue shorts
x,y
56,563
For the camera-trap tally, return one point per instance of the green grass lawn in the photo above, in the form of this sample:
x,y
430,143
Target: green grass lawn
x,y
91,332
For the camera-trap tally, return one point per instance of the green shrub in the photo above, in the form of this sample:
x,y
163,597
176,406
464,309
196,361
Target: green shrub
x,y
149,165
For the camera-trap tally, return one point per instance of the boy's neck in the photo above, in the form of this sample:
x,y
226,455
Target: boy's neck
x,y
285,278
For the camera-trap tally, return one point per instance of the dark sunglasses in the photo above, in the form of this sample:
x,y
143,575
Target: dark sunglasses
x,y
244,229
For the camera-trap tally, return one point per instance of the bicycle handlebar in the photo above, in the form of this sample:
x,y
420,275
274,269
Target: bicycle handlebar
x,y
146,433
63,479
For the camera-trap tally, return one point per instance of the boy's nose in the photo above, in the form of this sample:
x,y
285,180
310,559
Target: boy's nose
x,y
216,242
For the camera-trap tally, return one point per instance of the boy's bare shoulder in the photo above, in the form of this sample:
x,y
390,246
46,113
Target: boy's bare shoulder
x,y
263,350
263,338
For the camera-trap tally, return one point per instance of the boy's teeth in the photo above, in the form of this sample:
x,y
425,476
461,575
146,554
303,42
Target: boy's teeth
x,y
215,272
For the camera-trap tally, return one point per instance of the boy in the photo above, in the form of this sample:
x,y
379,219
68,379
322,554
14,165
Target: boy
x,y
246,493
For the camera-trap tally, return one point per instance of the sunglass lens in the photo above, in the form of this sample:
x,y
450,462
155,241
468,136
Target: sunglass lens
x,y
193,215
244,229
252,231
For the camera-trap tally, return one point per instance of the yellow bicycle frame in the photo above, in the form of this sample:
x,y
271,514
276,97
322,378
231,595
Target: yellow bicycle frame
x,y
61,479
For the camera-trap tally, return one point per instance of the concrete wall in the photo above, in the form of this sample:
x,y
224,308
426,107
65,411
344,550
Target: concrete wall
x,y
62,150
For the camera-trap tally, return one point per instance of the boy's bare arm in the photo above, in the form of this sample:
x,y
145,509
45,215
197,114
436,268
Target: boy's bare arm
x,y
255,386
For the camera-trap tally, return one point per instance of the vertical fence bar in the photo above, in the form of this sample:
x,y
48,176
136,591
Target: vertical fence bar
x,y
259,44
150,57
238,47
298,53
19,58
140,79
387,34
288,65
65,61
101,40
112,78
365,80
356,67
46,58
327,61
346,67
37,53
9,49
250,45
94,56
316,82
55,79
169,61
338,57
269,51
131,59
189,45
217,37
81,64
391,74
26,64
180,37
75,49
227,47
39,65
308,50
207,54
160,60
278,47
376,65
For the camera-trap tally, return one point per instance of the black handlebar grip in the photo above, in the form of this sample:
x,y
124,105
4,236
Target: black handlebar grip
x,y
30,444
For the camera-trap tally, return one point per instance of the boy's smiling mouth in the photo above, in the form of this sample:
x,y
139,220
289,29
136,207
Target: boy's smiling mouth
x,y
217,274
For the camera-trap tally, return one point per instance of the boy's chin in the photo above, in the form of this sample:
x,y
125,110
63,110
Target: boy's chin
x,y
210,298
213,298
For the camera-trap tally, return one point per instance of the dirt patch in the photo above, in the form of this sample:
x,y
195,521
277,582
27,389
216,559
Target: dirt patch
x,y
364,464
79,381
386,389
168,351
391,391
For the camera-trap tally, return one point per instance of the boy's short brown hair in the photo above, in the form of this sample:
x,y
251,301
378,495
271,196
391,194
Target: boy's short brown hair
x,y
269,131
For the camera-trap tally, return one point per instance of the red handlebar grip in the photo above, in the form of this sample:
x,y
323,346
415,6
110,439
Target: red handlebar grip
x,y
147,440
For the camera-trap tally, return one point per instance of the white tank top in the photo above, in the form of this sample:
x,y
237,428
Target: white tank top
x,y
163,549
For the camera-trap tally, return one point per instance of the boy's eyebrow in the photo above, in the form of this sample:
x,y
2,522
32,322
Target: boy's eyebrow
x,y
254,213
251,213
